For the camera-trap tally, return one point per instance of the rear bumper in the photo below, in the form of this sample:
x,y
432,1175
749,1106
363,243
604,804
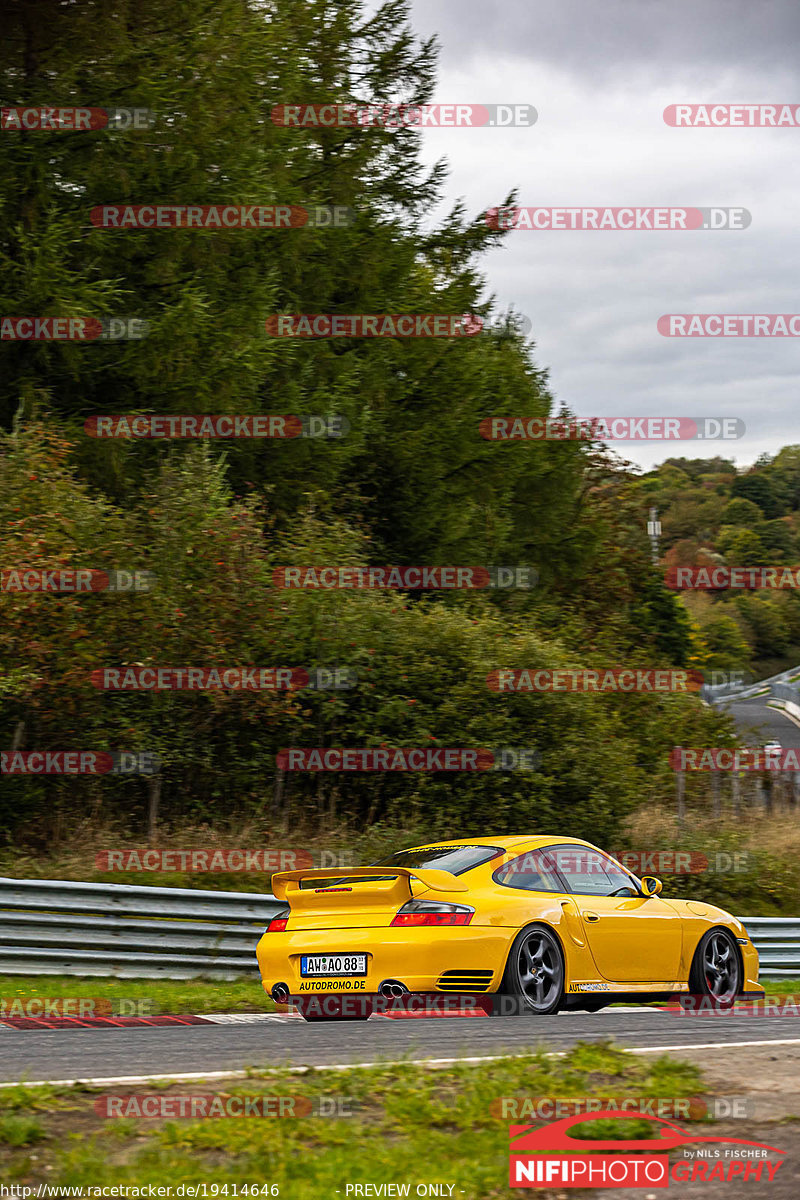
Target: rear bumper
x,y
417,958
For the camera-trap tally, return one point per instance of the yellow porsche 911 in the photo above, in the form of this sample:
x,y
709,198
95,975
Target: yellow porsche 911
x,y
553,923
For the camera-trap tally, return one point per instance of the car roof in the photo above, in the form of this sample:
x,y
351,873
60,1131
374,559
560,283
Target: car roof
x,y
508,841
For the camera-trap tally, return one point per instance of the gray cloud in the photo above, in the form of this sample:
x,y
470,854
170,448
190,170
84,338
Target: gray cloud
x,y
599,39
594,297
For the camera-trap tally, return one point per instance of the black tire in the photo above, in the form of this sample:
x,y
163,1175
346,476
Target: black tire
x,y
534,974
716,968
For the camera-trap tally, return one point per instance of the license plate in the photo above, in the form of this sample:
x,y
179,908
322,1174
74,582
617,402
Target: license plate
x,y
333,964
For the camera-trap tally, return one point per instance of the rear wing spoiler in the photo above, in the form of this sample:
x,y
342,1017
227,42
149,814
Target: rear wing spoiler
x,y
438,881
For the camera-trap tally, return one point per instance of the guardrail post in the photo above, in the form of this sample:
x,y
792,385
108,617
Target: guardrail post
x,y
153,800
680,796
785,790
715,801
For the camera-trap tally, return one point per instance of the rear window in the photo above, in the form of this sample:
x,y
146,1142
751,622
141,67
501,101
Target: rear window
x,y
455,859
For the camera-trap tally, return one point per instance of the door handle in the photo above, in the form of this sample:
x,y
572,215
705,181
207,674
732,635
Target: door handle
x,y
592,916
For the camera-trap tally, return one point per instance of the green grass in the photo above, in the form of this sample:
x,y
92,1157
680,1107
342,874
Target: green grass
x,y
144,996
407,1124
787,987
20,1131
149,997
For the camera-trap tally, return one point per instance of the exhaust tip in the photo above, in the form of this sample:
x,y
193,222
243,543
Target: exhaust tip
x,y
392,989
280,993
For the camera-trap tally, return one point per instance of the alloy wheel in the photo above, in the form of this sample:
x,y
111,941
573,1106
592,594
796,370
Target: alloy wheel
x,y
539,970
720,967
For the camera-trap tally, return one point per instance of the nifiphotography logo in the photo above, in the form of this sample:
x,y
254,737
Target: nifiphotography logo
x,y
550,1154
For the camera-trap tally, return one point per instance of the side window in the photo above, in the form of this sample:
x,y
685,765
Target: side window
x,y
590,873
533,871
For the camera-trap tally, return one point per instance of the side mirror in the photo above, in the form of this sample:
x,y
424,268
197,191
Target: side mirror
x,y
651,886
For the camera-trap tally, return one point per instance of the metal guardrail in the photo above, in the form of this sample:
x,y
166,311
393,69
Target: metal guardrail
x,y
786,692
715,693
777,940
52,927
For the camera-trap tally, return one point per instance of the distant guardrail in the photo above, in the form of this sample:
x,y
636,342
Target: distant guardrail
x,y
55,927
787,692
714,693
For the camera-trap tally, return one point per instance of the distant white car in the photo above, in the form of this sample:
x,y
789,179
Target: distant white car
x,y
773,747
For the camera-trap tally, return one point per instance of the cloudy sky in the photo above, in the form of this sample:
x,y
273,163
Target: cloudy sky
x,y
600,76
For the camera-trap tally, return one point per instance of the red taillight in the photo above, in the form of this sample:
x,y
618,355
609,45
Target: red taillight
x,y
433,912
433,918
277,925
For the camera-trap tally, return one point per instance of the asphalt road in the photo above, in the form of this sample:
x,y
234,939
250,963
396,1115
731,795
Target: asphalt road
x,y
762,724
111,1053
